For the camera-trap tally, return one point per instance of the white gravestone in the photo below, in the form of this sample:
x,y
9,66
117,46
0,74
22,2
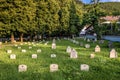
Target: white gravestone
x,y
53,67
53,46
53,55
22,68
30,47
24,51
34,56
68,50
84,67
88,40
16,45
92,55
87,45
113,54
9,51
0,44
21,43
19,47
97,48
39,50
53,40
73,53
12,56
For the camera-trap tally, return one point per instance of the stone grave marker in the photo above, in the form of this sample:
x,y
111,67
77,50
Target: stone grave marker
x,y
9,51
39,50
24,51
97,48
19,47
53,55
87,45
54,41
22,68
113,53
92,55
16,45
68,50
34,56
95,39
84,67
21,43
73,53
30,47
53,67
12,56
88,40
53,46
25,42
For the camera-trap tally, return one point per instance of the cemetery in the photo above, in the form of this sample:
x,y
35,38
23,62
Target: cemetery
x,y
59,40
68,61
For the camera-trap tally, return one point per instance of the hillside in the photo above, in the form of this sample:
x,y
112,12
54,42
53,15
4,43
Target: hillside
x,y
111,8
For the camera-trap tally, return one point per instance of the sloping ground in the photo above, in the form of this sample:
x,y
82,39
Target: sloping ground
x,y
101,67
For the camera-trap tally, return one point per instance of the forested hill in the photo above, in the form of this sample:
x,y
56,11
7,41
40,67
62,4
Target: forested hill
x,y
111,8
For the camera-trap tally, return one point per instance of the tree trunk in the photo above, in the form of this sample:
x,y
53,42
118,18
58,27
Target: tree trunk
x,y
21,37
12,38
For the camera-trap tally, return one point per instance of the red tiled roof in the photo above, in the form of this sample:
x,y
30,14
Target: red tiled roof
x,y
111,18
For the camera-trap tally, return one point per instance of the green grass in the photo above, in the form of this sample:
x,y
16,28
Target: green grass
x,y
101,67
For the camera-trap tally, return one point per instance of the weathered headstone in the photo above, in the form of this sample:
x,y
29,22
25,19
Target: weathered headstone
x,y
84,67
30,47
97,48
12,56
53,46
9,51
19,47
53,55
95,39
22,68
16,45
53,40
73,53
88,40
23,50
113,53
68,50
39,50
92,55
53,67
21,43
34,56
87,45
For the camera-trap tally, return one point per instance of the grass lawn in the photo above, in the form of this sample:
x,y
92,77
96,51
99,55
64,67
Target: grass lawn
x,y
101,67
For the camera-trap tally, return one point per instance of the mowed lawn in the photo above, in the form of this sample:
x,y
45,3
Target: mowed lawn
x,y
100,68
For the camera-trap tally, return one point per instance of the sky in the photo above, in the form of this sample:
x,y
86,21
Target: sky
x,y
88,1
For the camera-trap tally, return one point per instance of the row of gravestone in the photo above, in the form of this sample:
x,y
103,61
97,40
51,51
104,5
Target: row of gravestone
x,y
113,53
73,53
53,67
